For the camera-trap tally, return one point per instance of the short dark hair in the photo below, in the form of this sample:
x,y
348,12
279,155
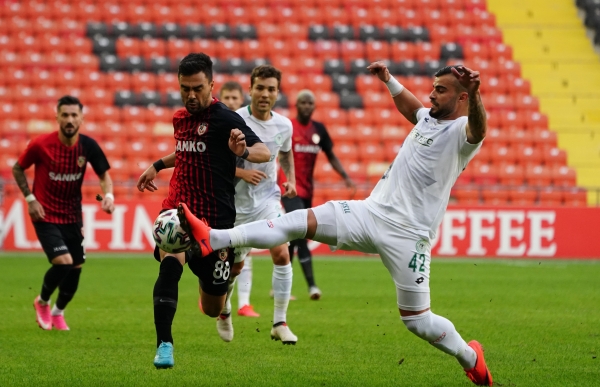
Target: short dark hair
x,y
448,70
265,71
196,63
68,100
232,85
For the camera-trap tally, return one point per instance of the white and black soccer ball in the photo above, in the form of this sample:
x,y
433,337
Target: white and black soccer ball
x,y
168,234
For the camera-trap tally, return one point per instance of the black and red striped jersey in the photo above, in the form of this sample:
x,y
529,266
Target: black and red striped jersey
x,y
59,171
308,141
204,165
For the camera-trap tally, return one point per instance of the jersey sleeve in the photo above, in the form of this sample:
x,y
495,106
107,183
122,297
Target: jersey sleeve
x,y
30,155
325,141
97,158
238,122
422,113
466,149
287,143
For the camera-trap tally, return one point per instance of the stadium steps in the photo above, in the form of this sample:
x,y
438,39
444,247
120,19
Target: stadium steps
x,y
549,40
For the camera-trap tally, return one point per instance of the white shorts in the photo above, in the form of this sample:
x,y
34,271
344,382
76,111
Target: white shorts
x,y
270,210
350,225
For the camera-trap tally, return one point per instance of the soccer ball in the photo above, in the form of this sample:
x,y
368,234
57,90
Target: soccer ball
x,y
168,234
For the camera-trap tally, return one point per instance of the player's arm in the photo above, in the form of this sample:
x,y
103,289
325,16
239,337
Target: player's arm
x,y
477,118
336,164
286,161
255,153
146,180
27,159
250,176
106,185
405,101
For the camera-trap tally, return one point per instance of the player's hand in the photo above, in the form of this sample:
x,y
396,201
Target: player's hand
x,y
108,205
290,190
146,180
253,176
237,142
380,69
36,211
350,185
468,78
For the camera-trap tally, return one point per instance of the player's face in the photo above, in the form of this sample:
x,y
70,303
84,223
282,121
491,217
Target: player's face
x,y
233,99
196,92
444,97
305,106
69,118
263,94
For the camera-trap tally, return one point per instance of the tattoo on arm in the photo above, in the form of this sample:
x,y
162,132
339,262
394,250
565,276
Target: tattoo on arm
x,y
21,179
286,160
477,117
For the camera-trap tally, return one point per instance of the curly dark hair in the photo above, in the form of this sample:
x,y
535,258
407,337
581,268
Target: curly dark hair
x,y
196,63
265,71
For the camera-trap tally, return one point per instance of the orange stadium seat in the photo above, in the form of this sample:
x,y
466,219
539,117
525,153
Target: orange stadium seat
x,y
113,149
177,48
511,175
371,151
575,197
391,149
140,129
538,175
150,48
523,196
346,151
393,133
517,85
554,157
551,196
324,172
327,49
485,174
427,51
160,148
466,195
496,138
369,84
544,137
360,117
564,176
536,120
336,15
389,117
327,99
125,47
251,49
117,81
143,82
331,116
504,155
529,155
368,134
342,133
495,195
293,31
403,51
169,82
308,65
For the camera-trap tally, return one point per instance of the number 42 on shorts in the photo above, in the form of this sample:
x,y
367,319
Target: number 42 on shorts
x,y
414,263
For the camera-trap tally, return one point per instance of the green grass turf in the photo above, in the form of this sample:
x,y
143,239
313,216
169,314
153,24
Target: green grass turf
x,y
538,320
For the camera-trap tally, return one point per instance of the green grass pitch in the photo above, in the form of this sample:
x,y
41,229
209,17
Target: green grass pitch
x,y
539,322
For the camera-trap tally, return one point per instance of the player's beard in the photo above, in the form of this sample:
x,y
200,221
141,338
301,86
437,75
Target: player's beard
x,y
71,133
441,111
197,105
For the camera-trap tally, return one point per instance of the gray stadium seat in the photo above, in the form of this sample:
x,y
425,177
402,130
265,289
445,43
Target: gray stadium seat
x,y
252,63
318,32
409,68
351,101
366,32
245,32
134,64
172,99
430,67
393,33
195,30
170,30
334,66
359,66
103,45
220,31
149,98
120,29
343,32
110,62
94,29
282,101
146,30
417,34
451,50
160,64
343,82
125,98
236,66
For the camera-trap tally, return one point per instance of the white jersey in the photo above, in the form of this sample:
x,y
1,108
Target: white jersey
x,y
415,190
276,134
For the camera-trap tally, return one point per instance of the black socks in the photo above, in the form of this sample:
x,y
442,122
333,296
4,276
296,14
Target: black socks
x,y
165,296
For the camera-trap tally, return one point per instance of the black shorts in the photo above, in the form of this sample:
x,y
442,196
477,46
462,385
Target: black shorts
x,y
296,203
213,271
58,239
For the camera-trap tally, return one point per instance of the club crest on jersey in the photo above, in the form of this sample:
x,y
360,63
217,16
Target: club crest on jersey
x,y
202,128
316,138
279,139
81,161
223,254
422,246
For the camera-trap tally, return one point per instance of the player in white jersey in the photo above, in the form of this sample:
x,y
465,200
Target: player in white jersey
x,y
404,210
258,197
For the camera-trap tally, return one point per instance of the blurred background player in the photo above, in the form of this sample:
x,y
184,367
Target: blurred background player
x,y
232,95
309,138
209,140
257,194
60,160
402,215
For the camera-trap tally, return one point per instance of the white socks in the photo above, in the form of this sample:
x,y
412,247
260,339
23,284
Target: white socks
x,y
440,333
227,307
282,288
244,282
262,234
57,312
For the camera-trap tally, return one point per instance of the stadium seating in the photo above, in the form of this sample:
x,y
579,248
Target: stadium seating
x,y
121,58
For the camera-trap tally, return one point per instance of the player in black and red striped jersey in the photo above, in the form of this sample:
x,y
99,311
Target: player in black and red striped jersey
x,y
60,160
209,137
309,138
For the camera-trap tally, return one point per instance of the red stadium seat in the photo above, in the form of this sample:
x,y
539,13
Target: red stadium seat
x,y
209,47
504,155
377,50
517,85
521,137
293,31
576,197
554,157
485,174
130,114
551,197
527,155
324,172
536,120
442,34
168,82
466,195
360,117
336,16
143,82
373,101
496,138
342,133
389,117
544,137
511,175
327,49
538,175
393,133
128,47
523,196
371,151
494,195
307,15
118,81
564,176
229,48
177,48
368,134
310,66
391,149
369,84
331,116
426,51
327,100
403,51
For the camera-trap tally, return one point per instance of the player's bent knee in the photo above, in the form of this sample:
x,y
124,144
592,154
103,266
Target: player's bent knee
x,y
280,255
64,259
421,326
